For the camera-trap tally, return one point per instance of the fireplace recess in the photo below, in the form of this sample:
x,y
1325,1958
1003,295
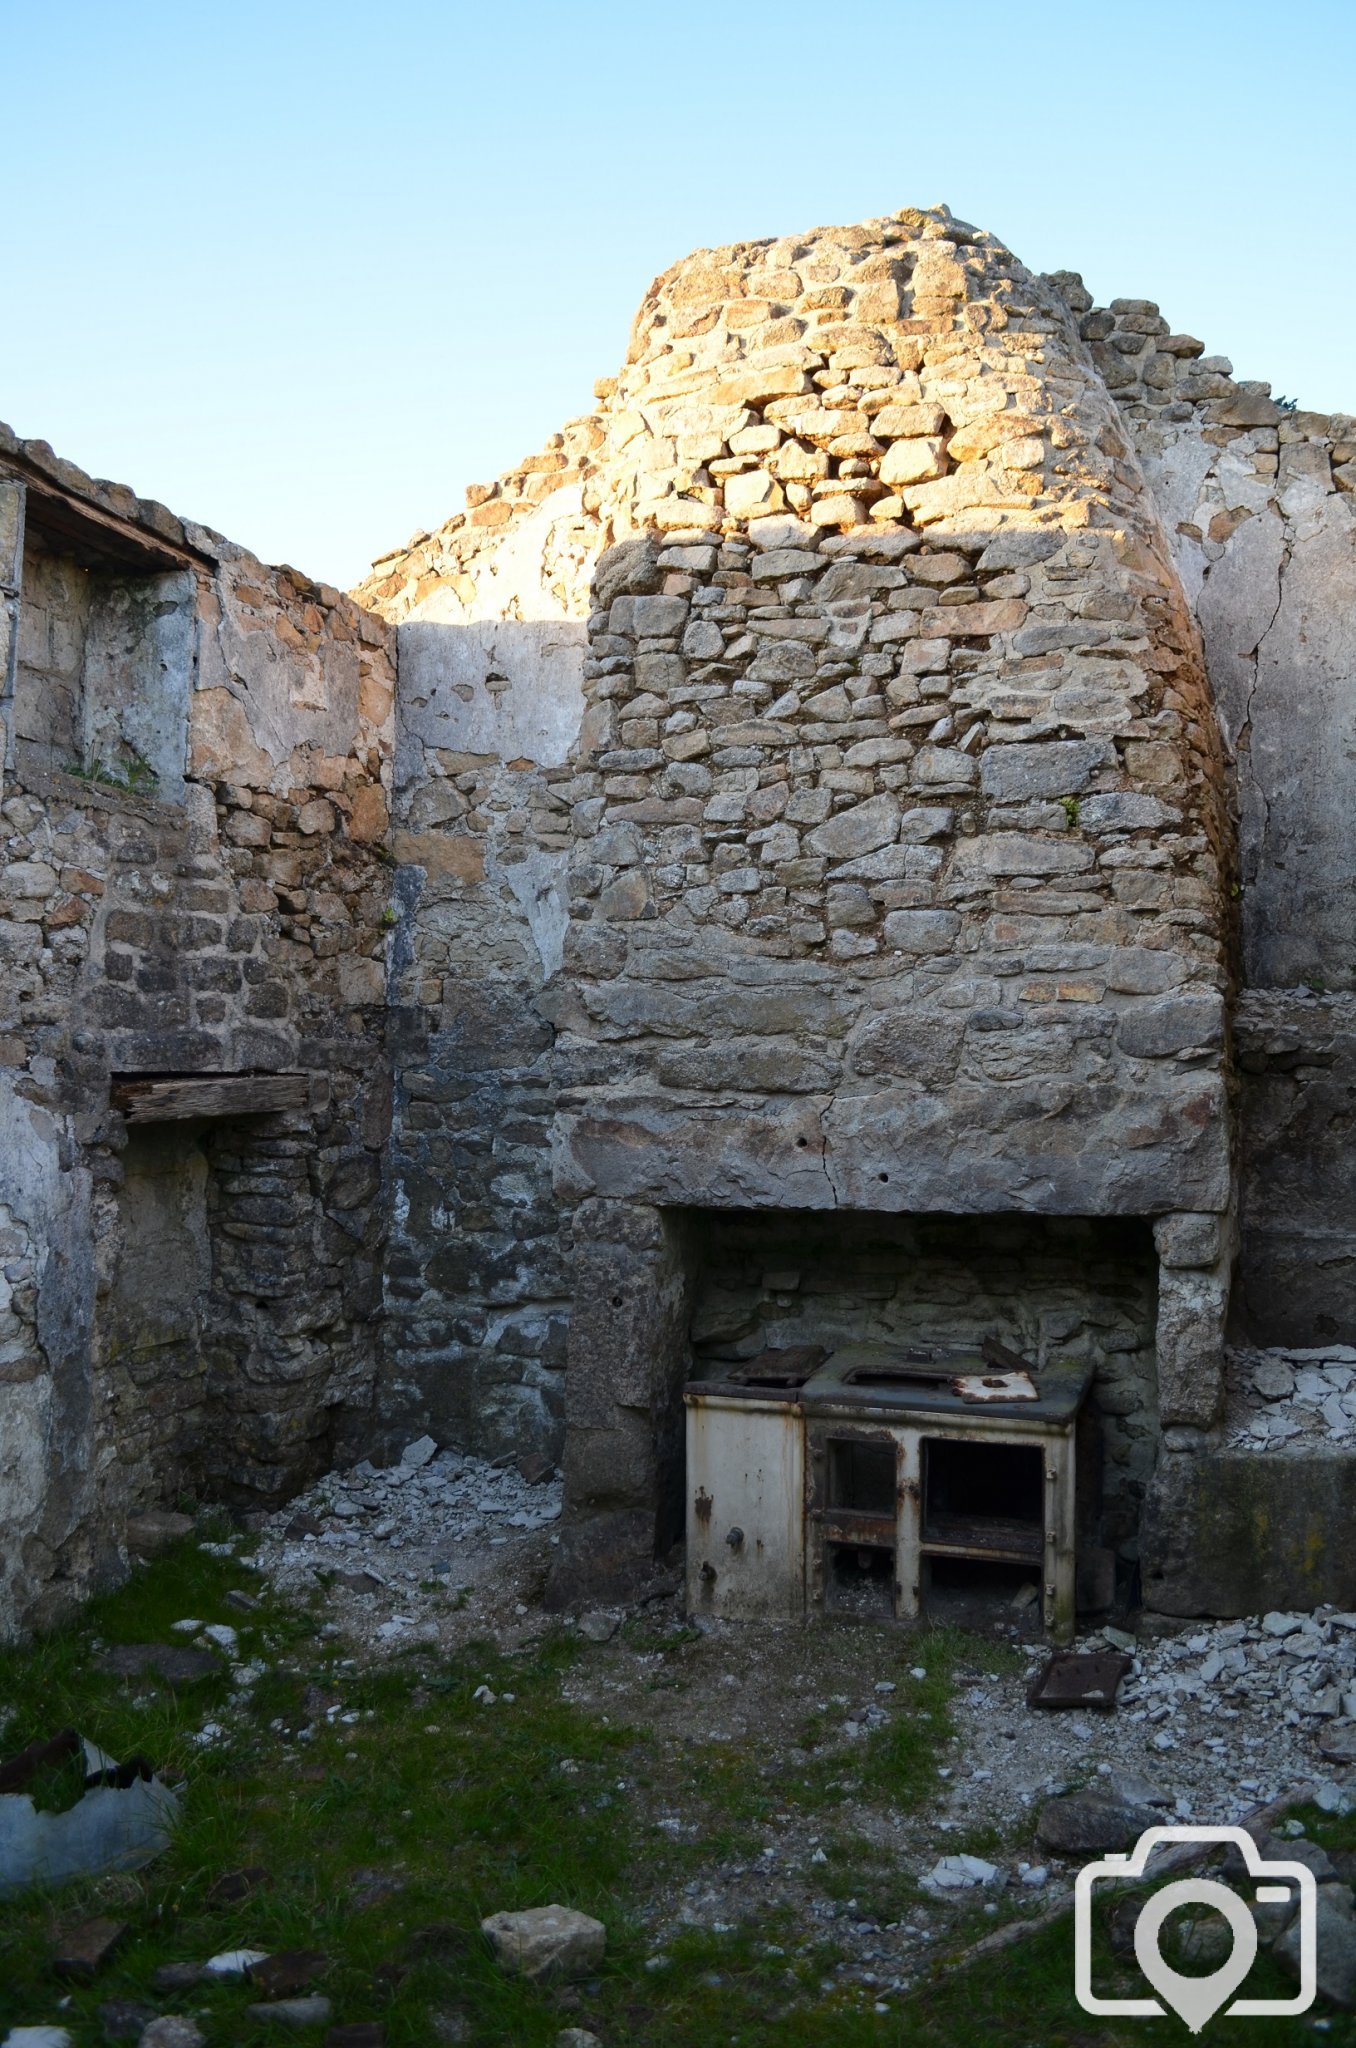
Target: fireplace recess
x,y
861,1482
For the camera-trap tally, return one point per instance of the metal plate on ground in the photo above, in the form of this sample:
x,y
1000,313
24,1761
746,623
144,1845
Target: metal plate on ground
x,y
1091,1679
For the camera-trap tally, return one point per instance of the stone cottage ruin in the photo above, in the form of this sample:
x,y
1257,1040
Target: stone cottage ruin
x,y
852,840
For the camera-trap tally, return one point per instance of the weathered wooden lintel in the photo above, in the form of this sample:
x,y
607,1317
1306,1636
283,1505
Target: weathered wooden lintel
x,y
153,1100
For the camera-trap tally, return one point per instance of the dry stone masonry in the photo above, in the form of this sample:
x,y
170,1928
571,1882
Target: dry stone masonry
x,y
193,803
849,838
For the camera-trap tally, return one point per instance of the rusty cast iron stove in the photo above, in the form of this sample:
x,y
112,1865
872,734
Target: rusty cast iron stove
x,y
864,1482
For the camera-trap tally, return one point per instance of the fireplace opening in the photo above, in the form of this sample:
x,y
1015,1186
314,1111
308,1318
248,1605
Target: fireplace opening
x,y
860,1581
987,1496
983,1533
862,1475
981,1594
914,1317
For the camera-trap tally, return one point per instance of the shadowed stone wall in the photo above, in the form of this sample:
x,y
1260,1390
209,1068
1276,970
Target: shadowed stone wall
x,y
893,830
1256,496
191,812
889,756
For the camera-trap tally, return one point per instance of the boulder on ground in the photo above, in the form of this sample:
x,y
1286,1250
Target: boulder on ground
x,y
1336,1928
1082,1824
149,1534
173,2031
546,1942
312,2011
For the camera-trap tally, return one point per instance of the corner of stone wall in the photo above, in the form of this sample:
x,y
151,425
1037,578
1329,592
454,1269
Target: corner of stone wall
x,y
629,1353
1196,1254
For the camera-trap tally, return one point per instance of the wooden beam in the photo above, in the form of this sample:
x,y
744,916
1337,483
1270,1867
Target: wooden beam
x,y
95,538
152,1100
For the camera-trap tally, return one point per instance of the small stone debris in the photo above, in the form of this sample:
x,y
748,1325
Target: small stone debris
x,y
433,1506
1281,1624
173,2031
1291,1402
237,1885
290,1971
235,1962
546,1943
1128,1788
1207,1940
420,1453
178,1976
534,1469
598,1626
370,1887
294,2012
359,1582
156,1530
36,2037
82,1951
577,2037
243,1603
960,1873
173,1662
123,2019
1079,1680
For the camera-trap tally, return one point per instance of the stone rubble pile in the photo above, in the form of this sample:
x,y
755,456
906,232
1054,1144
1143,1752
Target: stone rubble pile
x,y
1298,1669
427,1504
1210,1725
1289,1400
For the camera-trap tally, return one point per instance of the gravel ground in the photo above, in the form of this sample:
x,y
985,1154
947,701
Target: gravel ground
x,y
1211,1722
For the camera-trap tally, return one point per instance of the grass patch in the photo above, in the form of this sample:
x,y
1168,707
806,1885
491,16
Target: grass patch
x,y
1023,1998
392,1810
390,1807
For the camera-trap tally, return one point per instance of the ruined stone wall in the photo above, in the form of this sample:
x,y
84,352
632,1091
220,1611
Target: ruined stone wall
x,y
907,695
494,613
53,625
908,890
220,912
890,819
1258,499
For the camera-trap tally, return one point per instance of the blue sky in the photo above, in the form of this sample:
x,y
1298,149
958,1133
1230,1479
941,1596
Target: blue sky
x,y
304,271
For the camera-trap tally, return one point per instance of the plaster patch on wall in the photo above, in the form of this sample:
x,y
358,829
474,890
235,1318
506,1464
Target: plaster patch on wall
x,y
539,884
507,687
45,1419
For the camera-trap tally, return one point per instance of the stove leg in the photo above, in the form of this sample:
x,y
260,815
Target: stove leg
x,y
1057,1608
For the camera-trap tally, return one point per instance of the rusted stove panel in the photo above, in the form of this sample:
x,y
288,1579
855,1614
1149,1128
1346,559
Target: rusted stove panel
x,y
746,1509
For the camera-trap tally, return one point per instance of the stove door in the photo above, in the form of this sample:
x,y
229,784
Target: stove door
x,y
745,1509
